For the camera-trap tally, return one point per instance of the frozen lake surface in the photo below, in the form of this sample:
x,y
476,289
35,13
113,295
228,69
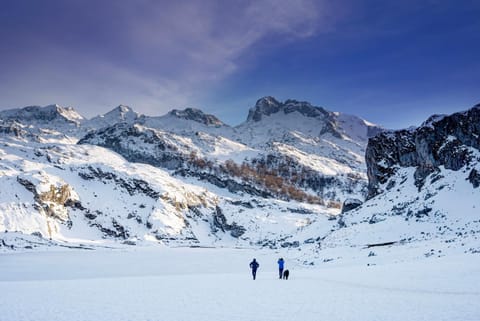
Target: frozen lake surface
x,y
198,284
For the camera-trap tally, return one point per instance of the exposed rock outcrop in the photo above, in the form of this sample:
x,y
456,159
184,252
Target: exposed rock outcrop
x,y
267,106
12,128
123,138
54,202
441,141
474,178
198,116
220,223
132,186
350,204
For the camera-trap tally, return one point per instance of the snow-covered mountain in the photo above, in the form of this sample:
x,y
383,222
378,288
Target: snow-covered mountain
x,y
277,180
51,123
310,151
119,114
183,177
423,189
52,114
326,149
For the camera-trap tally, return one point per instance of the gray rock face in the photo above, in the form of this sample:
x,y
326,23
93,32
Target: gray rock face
x,y
225,182
132,186
350,204
440,141
198,116
220,223
12,128
329,122
474,178
267,106
264,107
118,230
121,137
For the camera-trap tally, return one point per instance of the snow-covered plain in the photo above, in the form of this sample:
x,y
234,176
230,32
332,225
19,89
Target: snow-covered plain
x,y
159,283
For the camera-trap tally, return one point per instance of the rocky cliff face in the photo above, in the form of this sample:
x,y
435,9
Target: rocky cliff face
x,y
442,141
197,116
423,190
268,106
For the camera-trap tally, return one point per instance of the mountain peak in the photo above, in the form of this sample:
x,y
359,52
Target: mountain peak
x,y
265,106
197,115
123,108
267,101
304,108
42,114
268,105
432,119
121,113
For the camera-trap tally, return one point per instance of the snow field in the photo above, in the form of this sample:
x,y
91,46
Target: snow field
x,y
215,284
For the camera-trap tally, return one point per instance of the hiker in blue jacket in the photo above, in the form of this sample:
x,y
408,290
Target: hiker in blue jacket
x,y
281,264
254,266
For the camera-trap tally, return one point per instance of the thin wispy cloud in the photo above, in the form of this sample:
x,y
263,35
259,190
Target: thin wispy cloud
x,y
154,55
358,57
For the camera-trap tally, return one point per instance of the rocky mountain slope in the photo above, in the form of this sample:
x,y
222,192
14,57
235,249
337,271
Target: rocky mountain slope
x,y
315,155
184,177
423,190
448,142
276,181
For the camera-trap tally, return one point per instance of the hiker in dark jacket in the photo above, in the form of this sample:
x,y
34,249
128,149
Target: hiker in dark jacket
x,y
254,266
281,265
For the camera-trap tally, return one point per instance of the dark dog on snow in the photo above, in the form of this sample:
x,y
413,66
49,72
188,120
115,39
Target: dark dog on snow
x,y
286,273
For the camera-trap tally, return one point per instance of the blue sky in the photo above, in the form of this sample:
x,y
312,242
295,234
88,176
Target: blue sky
x,y
391,62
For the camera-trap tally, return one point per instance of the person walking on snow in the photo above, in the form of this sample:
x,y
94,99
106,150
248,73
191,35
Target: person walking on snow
x,y
254,266
281,264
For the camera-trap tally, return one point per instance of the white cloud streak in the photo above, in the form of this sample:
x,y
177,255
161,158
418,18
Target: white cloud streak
x,y
160,55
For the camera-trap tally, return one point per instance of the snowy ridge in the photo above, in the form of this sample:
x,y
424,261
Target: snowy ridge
x,y
119,114
42,114
51,123
287,133
424,192
198,116
82,193
189,180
